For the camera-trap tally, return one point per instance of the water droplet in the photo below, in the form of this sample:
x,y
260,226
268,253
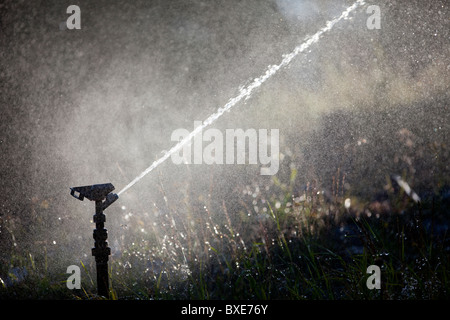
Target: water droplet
x,y
347,203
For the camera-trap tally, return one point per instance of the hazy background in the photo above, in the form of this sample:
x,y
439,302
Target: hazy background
x,y
99,104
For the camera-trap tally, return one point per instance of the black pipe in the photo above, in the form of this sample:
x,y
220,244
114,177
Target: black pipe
x,y
101,251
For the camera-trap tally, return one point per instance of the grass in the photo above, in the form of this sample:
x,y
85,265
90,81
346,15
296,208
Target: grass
x,y
279,241
302,248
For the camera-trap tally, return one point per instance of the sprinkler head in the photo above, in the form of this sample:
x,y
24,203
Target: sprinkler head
x,y
96,192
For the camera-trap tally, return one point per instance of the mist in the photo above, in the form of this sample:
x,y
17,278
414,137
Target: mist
x,y
99,105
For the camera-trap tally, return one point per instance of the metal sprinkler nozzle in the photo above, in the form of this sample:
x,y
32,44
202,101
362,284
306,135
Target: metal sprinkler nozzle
x,y
101,251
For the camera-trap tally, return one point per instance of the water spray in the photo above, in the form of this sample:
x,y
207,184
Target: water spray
x,y
101,251
101,193
246,92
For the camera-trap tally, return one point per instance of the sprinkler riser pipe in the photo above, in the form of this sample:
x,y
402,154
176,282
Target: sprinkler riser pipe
x,y
101,251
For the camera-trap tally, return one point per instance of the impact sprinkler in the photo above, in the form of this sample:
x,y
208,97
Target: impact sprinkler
x,y
101,251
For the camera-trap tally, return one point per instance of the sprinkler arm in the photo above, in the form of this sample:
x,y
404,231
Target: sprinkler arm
x,y
110,198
